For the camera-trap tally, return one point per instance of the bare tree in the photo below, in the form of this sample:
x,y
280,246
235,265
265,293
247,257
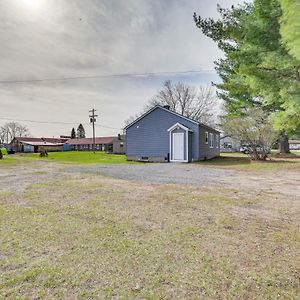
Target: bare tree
x,y
199,104
132,118
254,129
11,130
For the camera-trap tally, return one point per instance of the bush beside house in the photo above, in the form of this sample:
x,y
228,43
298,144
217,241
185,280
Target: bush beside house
x,y
3,151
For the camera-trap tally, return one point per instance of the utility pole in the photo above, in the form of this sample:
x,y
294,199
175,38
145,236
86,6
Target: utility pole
x,y
93,120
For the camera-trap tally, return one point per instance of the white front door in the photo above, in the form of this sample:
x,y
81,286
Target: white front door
x,y
178,146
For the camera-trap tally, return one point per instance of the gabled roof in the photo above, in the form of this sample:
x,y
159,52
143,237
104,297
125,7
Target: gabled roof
x,y
28,139
87,141
42,139
55,140
42,144
169,111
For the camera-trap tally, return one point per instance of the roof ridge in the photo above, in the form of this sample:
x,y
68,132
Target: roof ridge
x,y
170,111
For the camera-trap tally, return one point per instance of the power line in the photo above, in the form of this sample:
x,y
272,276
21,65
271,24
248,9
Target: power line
x,y
108,76
33,121
54,122
104,126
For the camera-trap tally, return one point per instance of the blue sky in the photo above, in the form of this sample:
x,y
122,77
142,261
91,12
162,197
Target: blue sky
x,y
60,38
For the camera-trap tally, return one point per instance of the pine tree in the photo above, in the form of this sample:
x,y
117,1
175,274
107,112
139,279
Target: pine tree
x,y
80,131
290,26
257,69
73,133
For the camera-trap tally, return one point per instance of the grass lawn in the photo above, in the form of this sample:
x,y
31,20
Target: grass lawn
x,y
9,160
240,161
80,157
91,237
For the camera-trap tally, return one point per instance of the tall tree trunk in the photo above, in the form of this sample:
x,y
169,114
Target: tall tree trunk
x,y
283,146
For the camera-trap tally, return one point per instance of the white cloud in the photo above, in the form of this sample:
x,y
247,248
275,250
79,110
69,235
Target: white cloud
x,y
68,38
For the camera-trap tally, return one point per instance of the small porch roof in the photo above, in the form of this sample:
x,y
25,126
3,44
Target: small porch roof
x,y
177,126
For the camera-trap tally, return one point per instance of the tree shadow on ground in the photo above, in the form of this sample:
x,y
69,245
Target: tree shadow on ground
x,y
227,161
240,161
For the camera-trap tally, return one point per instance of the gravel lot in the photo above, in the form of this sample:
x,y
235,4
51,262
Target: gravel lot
x,y
17,178
285,183
160,173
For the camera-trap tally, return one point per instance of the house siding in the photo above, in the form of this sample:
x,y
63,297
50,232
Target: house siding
x,y
229,144
206,152
149,138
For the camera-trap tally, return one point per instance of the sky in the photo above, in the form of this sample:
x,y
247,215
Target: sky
x,y
44,39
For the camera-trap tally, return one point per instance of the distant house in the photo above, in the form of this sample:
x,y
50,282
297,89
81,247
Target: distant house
x,y
161,135
229,144
112,144
294,144
40,146
29,144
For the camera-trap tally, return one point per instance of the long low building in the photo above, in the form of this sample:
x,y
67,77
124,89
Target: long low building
x,y
112,144
30,144
42,146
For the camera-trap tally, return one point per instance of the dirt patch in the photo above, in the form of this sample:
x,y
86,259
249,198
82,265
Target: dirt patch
x,y
68,233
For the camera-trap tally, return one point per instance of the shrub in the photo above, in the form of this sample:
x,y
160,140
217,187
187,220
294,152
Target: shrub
x,y
3,151
254,129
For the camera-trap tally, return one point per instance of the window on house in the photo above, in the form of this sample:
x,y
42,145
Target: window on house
x,y
227,145
217,141
211,140
206,137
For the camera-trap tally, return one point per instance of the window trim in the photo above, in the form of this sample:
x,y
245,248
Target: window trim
x,y
211,140
206,137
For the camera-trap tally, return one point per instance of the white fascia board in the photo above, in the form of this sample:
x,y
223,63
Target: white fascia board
x,y
179,125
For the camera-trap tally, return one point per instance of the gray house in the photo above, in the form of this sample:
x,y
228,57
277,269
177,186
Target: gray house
x,y
161,135
229,144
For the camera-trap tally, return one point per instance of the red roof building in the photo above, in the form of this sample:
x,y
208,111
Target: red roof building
x,y
87,141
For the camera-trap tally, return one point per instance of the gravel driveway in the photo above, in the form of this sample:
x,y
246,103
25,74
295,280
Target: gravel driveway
x,y
286,183
160,173
17,178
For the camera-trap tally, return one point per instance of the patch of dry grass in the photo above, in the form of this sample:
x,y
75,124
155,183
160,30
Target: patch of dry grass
x,y
91,236
8,160
240,161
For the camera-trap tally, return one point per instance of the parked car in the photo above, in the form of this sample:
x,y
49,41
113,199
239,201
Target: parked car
x,y
246,149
